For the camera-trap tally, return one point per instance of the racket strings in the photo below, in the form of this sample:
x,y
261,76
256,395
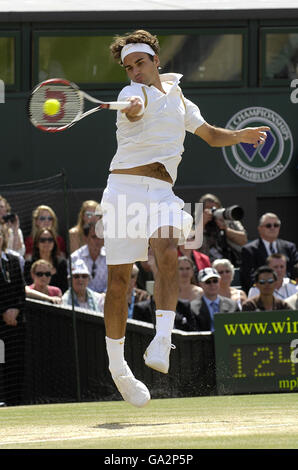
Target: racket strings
x,y
71,105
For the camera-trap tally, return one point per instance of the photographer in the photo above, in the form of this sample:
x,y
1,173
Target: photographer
x,y
224,234
15,235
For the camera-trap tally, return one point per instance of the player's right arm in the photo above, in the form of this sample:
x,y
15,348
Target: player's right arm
x,y
135,109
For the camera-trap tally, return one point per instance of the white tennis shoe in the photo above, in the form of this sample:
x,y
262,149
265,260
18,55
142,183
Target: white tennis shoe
x,y
132,390
157,355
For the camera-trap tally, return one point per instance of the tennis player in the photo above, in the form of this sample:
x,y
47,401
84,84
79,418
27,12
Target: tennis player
x,y
150,136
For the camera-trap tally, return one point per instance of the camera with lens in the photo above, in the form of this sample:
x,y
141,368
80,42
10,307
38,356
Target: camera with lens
x,y
228,213
9,218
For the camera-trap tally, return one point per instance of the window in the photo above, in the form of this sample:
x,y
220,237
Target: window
x,y
8,60
83,59
279,56
211,58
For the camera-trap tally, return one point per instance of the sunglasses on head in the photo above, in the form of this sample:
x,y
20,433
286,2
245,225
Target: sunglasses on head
x,y
44,239
226,271
78,276
275,225
266,281
212,281
42,218
41,273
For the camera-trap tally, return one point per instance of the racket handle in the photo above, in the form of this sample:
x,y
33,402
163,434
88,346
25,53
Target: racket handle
x,y
118,104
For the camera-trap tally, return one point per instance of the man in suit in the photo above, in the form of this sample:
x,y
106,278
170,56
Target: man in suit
x,y
210,303
12,301
255,253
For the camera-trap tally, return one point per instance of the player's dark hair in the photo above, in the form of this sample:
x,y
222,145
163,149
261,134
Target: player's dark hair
x,y
137,36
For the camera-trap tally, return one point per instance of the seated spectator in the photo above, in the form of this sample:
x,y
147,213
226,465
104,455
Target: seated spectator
x,y
210,302
93,255
41,273
82,296
256,252
188,288
292,301
45,247
265,280
134,294
226,271
15,239
221,238
44,217
284,286
86,215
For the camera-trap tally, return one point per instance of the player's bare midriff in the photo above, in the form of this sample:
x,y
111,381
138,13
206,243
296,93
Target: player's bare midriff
x,y
153,170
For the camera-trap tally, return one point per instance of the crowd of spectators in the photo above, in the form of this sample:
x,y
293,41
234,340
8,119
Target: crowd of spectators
x,y
228,273
38,267
226,251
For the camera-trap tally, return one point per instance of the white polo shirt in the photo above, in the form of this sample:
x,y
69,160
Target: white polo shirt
x,y
160,134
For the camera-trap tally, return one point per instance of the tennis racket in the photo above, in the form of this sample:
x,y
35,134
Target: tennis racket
x,y
71,100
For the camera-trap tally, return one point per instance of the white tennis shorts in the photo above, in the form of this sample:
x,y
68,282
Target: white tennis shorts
x,y
134,208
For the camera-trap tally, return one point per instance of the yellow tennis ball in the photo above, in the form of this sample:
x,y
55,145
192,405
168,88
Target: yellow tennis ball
x,y
51,107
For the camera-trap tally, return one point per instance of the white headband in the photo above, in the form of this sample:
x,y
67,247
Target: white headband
x,y
136,47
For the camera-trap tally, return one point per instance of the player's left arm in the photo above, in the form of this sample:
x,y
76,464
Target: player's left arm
x,y
219,137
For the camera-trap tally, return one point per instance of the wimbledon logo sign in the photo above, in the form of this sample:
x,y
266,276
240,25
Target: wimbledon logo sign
x,y
267,162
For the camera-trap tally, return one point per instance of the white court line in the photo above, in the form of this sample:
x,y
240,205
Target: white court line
x,y
90,436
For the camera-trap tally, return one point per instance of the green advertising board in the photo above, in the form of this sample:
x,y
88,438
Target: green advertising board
x,y
256,352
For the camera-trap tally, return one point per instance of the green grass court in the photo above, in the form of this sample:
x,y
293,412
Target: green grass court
x,y
224,422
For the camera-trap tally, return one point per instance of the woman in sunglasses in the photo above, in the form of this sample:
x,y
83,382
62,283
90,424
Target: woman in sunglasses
x,y
265,280
41,273
45,247
44,217
86,215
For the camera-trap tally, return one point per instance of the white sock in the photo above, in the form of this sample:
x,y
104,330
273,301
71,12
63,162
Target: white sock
x,y
115,350
164,322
